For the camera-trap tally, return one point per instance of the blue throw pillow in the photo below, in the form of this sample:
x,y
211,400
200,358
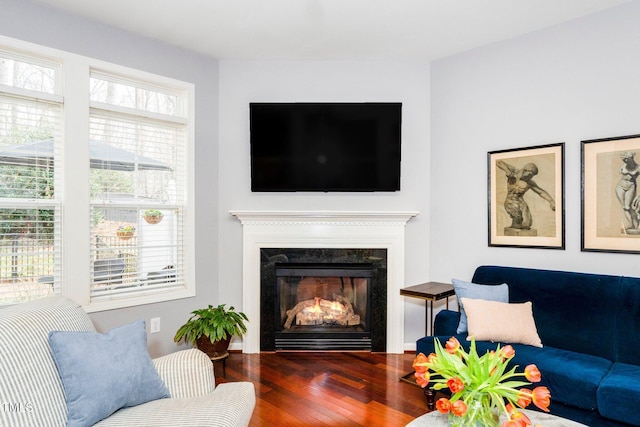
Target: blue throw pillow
x,y
464,289
102,373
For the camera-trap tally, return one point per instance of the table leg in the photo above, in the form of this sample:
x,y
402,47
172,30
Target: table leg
x,y
430,324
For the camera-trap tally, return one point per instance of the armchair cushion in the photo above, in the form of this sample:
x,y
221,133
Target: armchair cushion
x,y
102,373
230,405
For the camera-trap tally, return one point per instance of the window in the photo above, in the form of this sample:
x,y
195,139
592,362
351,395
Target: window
x,y
137,142
118,174
30,205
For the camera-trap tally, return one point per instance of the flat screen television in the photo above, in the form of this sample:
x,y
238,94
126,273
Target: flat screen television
x,y
325,146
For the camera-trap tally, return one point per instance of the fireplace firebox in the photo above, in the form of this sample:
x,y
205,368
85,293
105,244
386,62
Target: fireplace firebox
x,y
323,299
323,305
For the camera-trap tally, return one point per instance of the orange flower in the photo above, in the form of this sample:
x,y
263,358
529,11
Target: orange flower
x,y
510,423
455,384
422,378
516,418
507,352
459,408
420,361
452,345
532,373
524,397
541,398
443,405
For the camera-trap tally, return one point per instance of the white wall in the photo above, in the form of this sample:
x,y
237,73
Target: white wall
x,y
574,82
569,83
242,82
29,22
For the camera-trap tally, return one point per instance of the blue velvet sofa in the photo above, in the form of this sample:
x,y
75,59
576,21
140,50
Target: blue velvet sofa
x,y
589,325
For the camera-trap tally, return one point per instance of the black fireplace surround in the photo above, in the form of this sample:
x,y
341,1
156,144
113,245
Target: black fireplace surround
x,y
361,272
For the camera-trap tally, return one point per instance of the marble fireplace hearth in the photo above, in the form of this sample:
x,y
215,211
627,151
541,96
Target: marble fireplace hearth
x,y
323,230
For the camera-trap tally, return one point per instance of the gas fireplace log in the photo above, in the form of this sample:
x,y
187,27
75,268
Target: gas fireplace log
x,y
320,311
344,301
291,314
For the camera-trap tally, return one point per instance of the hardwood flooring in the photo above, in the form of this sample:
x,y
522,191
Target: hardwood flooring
x,y
328,389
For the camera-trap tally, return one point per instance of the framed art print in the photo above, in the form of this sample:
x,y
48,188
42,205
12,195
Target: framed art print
x,y
526,197
610,197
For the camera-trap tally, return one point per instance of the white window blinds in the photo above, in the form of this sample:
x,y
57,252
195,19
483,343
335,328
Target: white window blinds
x,y
137,144
30,178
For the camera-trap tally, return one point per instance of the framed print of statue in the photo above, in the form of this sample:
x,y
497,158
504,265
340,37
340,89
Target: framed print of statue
x,y
610,197
526,197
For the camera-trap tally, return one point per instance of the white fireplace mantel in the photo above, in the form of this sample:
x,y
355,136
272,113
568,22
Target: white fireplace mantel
x,y
323,229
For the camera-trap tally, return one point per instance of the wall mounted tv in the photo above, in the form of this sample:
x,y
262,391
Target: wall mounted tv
x,y
325,146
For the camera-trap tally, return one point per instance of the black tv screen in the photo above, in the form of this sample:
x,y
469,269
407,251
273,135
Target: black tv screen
x,y
325,146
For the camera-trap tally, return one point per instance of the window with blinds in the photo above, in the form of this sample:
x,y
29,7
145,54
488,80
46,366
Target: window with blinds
x,y
30,176
137,145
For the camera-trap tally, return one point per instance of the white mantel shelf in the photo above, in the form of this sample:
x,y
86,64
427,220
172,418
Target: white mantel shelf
x,y
323,229
323,216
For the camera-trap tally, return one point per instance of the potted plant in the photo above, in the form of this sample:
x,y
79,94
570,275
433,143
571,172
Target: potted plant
x,y
211,329
152,216
125,232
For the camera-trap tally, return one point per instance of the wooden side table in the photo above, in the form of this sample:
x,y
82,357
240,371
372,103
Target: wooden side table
x,y
430,292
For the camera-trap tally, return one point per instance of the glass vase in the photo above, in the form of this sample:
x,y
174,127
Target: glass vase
x,y
477,415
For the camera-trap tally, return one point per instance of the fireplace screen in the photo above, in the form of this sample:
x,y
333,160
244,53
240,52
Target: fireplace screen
x,y
323,306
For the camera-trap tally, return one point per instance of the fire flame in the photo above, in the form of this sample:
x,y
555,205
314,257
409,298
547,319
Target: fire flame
x,y
316,309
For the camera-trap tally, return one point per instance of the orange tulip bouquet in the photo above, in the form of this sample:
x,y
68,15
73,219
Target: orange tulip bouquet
x,y
481,386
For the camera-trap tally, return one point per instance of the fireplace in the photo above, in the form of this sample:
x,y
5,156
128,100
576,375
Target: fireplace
x,y
323,229
323,299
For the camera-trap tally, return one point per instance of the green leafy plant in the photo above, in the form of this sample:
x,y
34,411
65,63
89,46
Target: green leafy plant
x,y
216,323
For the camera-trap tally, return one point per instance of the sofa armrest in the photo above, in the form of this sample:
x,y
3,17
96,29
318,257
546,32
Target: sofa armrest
x,y
186,373
446,322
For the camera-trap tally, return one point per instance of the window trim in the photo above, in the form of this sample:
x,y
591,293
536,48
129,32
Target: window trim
x,y
75,73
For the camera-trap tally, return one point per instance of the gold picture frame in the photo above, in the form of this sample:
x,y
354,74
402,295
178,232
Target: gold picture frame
x,y
610,202
526,197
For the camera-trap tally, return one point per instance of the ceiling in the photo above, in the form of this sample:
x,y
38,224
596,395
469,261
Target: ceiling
x,y
330,29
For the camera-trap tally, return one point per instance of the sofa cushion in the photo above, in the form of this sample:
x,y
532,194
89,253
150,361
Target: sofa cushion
x,y
475,291
572,378
503,322
628,331
102,373
619,394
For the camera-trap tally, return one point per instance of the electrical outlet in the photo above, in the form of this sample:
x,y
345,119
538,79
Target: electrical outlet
x,y
154,325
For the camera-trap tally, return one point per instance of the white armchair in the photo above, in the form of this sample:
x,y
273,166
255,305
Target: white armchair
x,y
32,393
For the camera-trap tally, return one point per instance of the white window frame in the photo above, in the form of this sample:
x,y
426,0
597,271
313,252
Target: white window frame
x,y
76,229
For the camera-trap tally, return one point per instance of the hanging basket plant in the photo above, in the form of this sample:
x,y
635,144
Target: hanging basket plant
x,y
152,216
125,232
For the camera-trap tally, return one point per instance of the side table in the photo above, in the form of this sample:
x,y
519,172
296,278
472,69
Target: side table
x,y
430,292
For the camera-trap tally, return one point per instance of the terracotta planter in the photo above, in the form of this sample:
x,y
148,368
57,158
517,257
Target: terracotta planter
x,y
125,235
153,219
215,349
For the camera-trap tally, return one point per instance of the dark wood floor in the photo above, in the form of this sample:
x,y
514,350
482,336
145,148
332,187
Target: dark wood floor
x,y
328,389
